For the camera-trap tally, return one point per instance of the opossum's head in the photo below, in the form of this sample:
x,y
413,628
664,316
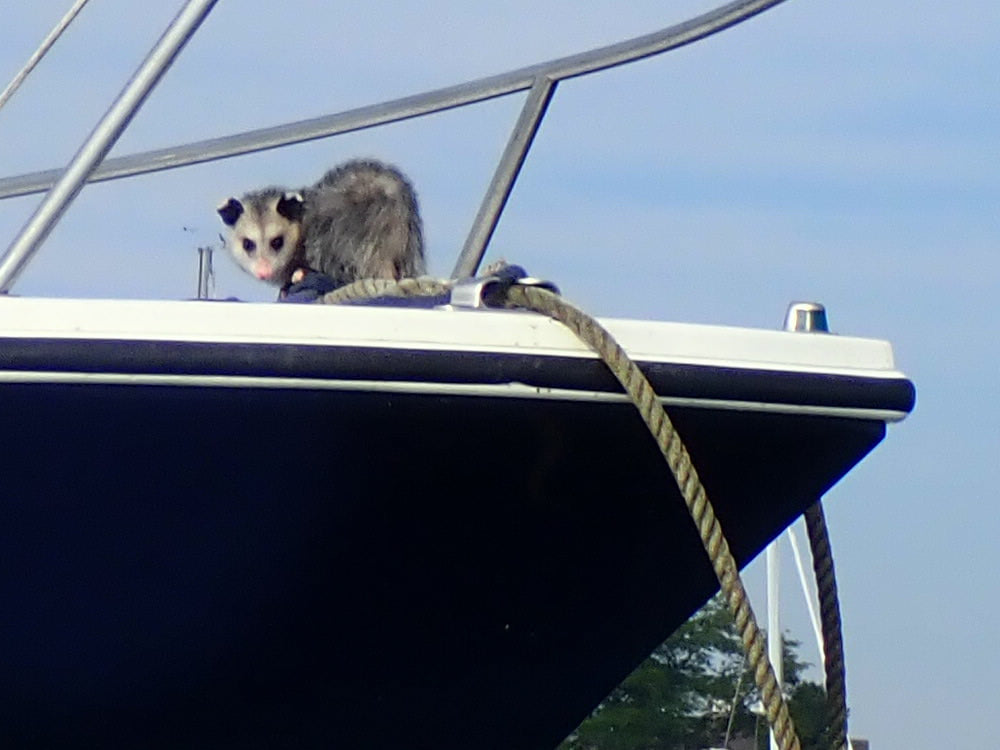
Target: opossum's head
x,y
265,230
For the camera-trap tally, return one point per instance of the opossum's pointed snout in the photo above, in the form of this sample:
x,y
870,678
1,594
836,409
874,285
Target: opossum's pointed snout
x,y
263,270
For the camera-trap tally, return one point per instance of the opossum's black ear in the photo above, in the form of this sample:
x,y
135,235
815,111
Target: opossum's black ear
x,y
290,206
230,211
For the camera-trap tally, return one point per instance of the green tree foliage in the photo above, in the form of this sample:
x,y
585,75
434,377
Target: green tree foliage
x,y
696,691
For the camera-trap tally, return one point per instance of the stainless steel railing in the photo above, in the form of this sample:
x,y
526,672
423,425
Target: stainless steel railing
x,y
539,80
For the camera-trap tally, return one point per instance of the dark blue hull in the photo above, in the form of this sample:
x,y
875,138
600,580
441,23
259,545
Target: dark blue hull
x,y
190,566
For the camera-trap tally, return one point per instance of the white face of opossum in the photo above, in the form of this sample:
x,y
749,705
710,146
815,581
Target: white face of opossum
x,y
264,233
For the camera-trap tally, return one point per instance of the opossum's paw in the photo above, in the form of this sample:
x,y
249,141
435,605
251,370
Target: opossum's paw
x,y
307,286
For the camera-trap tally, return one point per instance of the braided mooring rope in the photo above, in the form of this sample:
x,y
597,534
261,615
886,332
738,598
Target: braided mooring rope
x,y
362,289
829,609
651,410
695,498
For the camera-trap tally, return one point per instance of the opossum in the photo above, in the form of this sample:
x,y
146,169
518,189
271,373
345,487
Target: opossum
x,y
360,220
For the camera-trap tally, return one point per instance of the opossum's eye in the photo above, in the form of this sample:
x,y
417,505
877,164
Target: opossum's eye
x,y
249,245
277,242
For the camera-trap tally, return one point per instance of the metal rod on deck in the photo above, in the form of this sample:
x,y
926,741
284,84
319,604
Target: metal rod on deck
x,y
205,272
503,178
100,141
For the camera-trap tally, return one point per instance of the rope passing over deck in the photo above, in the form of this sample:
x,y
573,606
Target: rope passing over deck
x,y
692,490
644,398
366,289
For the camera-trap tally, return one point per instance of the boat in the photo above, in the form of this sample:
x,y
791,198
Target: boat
x,y
439,527
275,525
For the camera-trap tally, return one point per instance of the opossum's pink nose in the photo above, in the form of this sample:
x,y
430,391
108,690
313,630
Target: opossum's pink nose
x,y
263,271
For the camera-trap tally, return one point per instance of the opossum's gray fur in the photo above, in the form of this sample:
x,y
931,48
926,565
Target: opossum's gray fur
x,y
361,220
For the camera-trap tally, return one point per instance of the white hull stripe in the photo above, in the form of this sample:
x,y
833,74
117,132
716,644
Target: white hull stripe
x,y
500,390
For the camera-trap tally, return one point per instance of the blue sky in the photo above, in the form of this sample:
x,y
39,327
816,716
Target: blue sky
x,y
840,152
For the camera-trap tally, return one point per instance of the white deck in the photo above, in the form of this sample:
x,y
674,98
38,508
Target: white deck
x,y
437,329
